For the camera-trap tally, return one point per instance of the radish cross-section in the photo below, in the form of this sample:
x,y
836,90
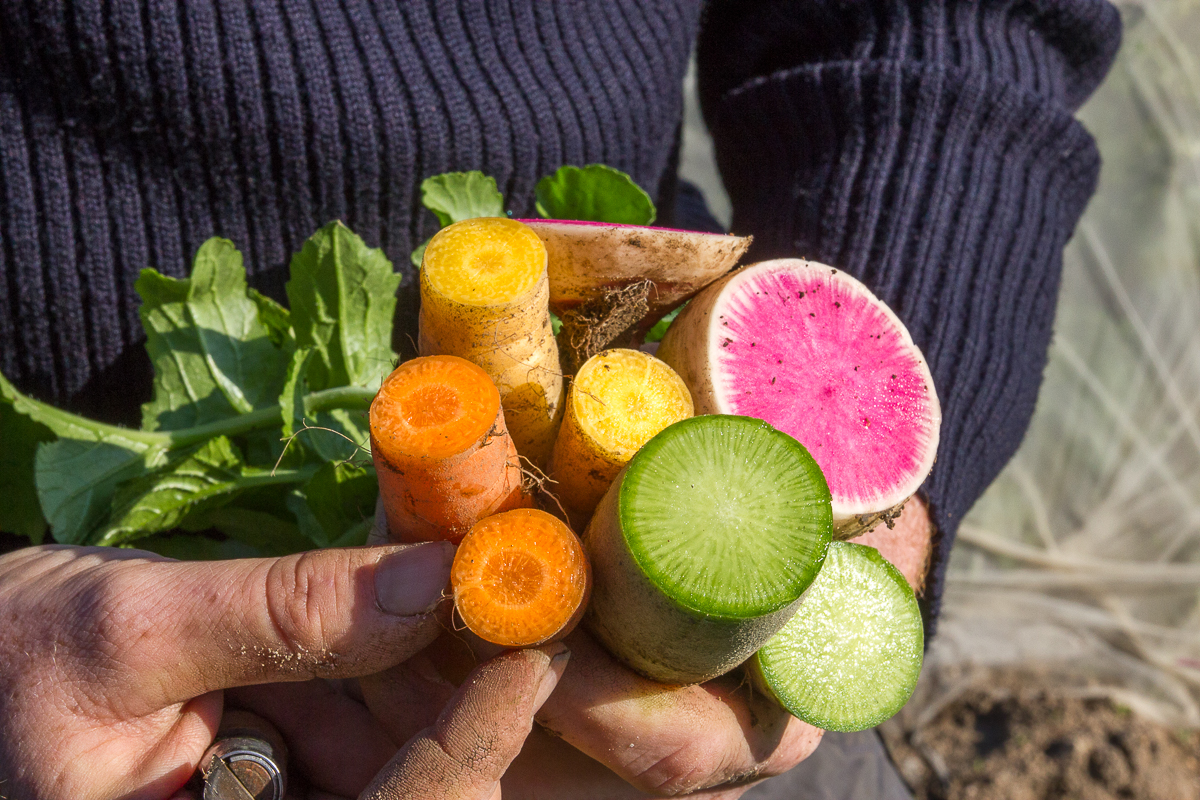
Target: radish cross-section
x,y
812,351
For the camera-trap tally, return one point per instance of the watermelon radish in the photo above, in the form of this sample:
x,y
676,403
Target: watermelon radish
x,y
812,351
702,546
851,655
588,260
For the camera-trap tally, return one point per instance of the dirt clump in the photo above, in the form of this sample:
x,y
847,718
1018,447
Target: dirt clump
x,y
598,324
1017,741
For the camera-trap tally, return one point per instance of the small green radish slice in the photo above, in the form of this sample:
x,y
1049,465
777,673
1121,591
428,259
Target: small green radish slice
x,y
850,657
703,545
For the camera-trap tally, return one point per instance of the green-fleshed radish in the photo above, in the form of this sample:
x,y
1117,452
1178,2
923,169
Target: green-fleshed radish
x,y
812,351
702,546
850,657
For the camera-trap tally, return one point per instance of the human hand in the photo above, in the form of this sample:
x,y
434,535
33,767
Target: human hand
x,y
112,661
614,734
618,735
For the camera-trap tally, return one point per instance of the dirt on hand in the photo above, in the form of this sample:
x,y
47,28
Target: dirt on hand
x,y
1018,739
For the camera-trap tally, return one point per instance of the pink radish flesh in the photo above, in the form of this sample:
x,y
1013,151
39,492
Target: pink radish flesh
x,y
812,352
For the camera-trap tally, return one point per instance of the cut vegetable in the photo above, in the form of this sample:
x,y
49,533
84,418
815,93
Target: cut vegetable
x,y
485,298
702,546
812,351
520,578
616,403
442,454
851,655
590,259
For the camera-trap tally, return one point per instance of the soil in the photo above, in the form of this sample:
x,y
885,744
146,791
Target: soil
x,y
1022,740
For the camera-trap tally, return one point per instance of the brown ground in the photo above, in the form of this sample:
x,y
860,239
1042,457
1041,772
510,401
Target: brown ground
x,y
1019,740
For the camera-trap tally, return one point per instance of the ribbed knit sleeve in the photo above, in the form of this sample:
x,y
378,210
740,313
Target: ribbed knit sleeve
x,y
930,149
133,130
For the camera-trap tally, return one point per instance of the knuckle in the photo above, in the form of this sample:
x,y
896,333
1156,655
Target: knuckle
x,y
696,764
307,598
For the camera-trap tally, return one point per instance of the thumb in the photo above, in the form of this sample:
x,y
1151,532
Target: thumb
x,y
328,613
464,754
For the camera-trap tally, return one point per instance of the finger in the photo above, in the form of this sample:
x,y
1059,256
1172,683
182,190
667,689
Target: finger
x,y
333,739
170,630
549,767
908,544
407,698
481,731
671,739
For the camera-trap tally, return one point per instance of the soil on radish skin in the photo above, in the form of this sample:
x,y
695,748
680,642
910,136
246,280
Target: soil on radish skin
x,y
1023,741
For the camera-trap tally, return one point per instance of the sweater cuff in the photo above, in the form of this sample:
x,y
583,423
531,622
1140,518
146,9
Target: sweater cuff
x,y
951,196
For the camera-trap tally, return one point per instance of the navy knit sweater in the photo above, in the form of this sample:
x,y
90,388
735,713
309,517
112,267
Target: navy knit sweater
x,y
927,147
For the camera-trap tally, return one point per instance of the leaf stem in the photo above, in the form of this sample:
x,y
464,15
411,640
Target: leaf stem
x,y
351,397
276,477
233,426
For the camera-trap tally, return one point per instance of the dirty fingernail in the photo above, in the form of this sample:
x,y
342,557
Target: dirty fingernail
x,y
558,662
411,581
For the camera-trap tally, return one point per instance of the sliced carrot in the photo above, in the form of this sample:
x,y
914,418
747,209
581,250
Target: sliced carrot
x,y
442,454
520,578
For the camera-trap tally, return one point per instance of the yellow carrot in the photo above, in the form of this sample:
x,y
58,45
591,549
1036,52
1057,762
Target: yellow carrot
x,y
520,578
485,297
442,454
617,402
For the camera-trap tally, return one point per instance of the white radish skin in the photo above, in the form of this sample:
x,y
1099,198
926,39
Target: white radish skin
x,y
727,356
589,259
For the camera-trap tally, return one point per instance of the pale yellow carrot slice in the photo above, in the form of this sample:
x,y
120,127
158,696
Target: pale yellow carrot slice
x,y
617,402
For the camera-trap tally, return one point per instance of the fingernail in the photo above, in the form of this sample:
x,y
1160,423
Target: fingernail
x,y
558,662
411,581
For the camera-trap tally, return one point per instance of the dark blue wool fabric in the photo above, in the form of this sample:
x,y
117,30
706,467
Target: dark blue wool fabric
x,y
927,147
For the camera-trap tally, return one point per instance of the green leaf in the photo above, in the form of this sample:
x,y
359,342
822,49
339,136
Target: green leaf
x,y
276,318
73,426
343,296
338,499
455,196
291,399
418,255
310,527
355,535
660,328
334,435
555,323
213,356
191,547
20,512
77,475
160,501
595,193
340,435
76,481
266,533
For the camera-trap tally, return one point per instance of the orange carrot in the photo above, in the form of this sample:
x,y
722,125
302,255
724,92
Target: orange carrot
x,y
520,578
442,453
